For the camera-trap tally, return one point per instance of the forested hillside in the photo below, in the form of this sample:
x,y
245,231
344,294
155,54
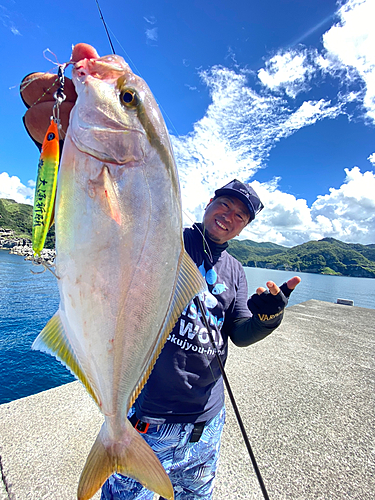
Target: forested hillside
x,y
19,218
326,256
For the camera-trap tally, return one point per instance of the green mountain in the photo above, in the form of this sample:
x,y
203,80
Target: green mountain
x,y
19,218
326,256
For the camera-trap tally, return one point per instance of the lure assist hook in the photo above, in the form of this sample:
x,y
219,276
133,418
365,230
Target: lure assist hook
x,y
59,95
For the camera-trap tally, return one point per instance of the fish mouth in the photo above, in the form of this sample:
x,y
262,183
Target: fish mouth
x,y
86,61
103,68
83,51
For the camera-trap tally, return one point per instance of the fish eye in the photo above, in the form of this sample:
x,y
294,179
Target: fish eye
x,y
50,136
130,98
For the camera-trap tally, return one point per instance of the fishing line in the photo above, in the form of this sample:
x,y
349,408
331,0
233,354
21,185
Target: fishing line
x,y
105,26
205,242
107,29
201,308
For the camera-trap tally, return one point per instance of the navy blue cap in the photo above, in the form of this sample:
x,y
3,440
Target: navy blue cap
x,y
245,193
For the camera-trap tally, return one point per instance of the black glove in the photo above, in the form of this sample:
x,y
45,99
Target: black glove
x,y
268,309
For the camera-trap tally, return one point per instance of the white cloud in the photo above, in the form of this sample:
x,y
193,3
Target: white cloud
x,y
288,71
241,126
231,55
348,55
152,34
349,47
15,31
12,188
352,203
235,136
6,20
150,19
308,113
233,140
346,213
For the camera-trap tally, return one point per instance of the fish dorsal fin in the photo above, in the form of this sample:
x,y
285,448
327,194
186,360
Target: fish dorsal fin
x,y
188,284
53,340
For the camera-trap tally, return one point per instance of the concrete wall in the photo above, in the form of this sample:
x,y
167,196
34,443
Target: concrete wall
x,y
306,395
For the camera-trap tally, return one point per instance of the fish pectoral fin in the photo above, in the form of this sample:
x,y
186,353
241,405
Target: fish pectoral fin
x,y
134,459
188,284
110,193
53,340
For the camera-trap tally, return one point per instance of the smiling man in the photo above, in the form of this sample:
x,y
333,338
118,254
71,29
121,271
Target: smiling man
x,y
234,206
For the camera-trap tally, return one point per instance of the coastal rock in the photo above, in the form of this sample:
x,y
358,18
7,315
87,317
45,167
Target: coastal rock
x,y
22,246
6,233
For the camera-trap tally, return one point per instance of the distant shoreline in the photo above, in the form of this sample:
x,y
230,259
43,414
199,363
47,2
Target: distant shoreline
x,y
47,255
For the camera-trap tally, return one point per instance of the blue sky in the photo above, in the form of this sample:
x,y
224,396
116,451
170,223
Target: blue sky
x,y
277,93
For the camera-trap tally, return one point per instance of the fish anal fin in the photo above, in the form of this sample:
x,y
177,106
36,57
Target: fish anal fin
x,y
188,284
53,340
131,457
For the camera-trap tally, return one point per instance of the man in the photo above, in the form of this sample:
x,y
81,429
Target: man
x,y
180,411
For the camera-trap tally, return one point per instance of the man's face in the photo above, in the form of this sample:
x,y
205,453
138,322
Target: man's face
x,y
224,218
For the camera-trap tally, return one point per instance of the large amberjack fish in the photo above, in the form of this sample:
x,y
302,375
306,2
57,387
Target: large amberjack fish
x,y
124,275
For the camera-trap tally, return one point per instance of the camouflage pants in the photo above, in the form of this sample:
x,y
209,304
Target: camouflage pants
x,y
191,466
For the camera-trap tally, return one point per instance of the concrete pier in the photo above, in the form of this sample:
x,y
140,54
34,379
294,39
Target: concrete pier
x,y
306,395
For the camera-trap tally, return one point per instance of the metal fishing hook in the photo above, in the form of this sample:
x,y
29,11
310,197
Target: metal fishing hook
x,y
47,267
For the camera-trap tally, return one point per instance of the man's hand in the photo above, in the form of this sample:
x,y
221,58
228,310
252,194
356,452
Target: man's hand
x,y
268,306
37,92
274,289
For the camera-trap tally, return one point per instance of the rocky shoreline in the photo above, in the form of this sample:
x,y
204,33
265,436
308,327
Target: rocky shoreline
x,y
22,246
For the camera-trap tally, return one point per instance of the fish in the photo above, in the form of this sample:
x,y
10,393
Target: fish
x,y
45,187
124,275
219,288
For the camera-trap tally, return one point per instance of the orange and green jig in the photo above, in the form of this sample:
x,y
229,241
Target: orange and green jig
x,y
46,183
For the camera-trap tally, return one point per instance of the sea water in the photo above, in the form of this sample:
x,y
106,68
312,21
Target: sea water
x,y
28,301
316,286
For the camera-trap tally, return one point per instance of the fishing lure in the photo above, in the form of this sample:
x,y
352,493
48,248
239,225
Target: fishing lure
x,y
45,189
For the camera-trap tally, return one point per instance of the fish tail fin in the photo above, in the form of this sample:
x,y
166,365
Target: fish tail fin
x,y
131,457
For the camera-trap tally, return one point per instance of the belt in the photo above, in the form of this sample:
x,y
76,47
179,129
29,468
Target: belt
x,y
142,428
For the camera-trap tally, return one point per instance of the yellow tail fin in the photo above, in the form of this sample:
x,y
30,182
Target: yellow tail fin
x,y
132,457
